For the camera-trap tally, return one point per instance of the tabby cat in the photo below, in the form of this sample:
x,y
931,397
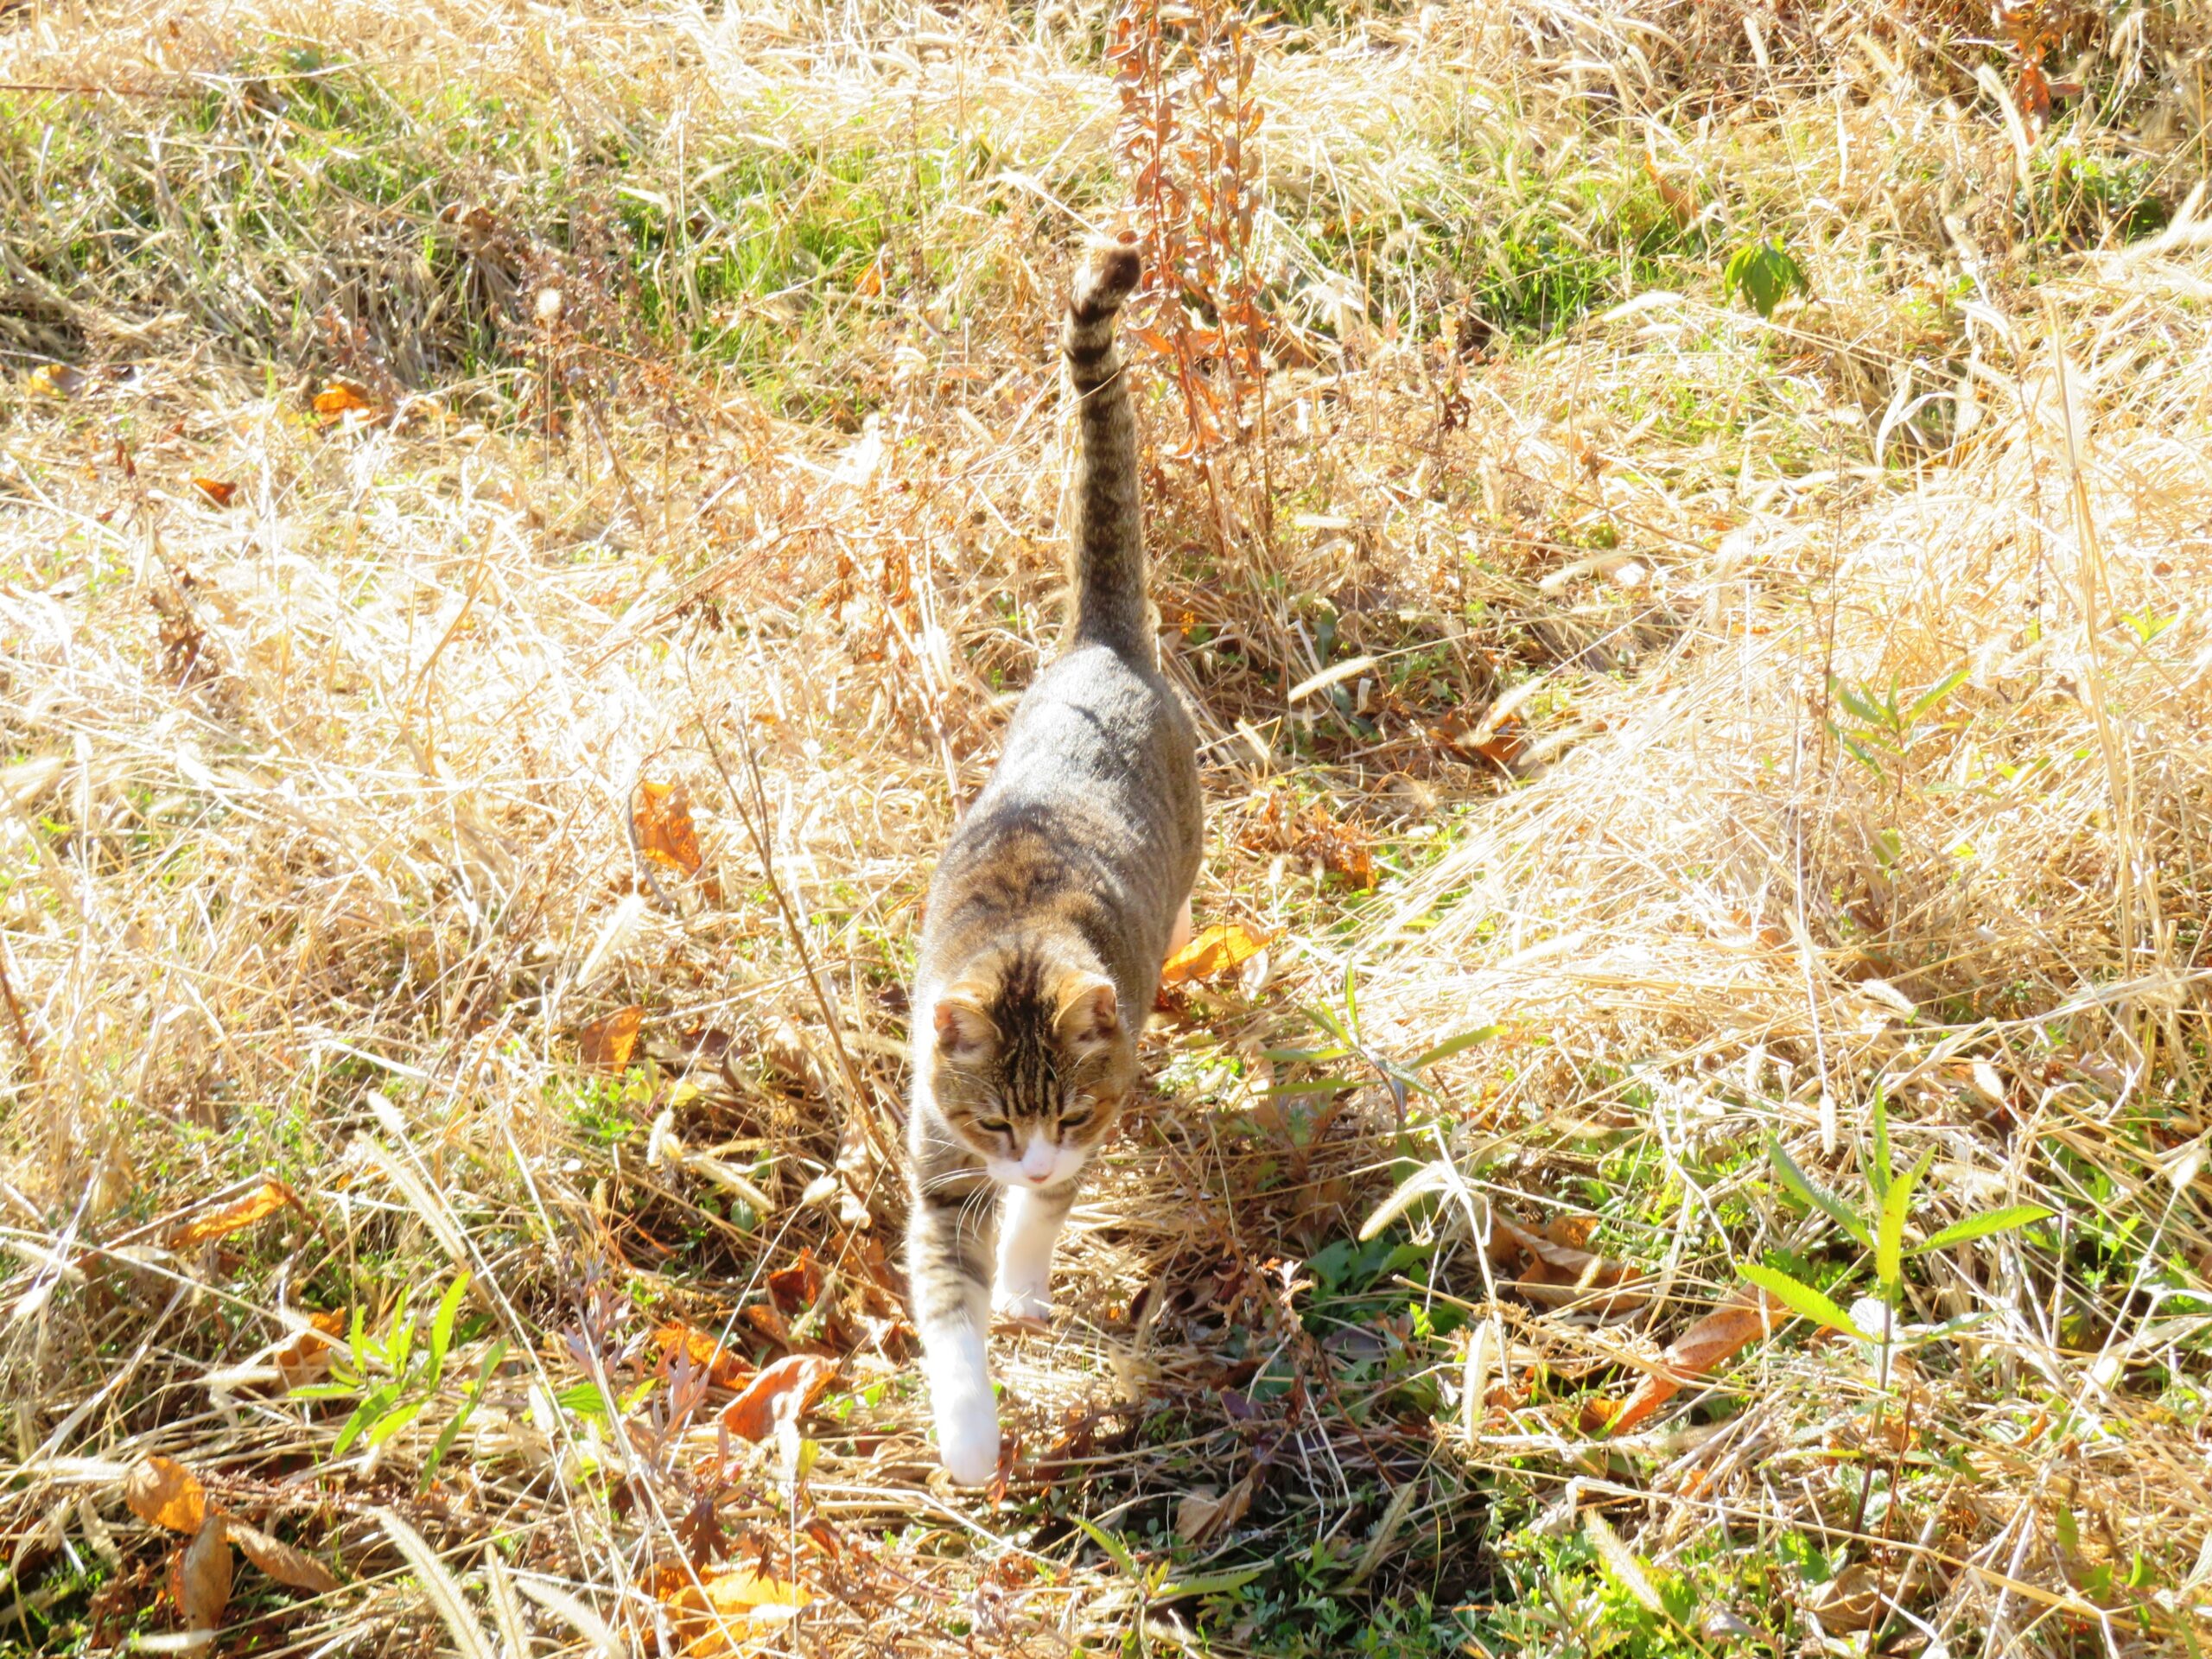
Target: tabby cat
x,y
1061,891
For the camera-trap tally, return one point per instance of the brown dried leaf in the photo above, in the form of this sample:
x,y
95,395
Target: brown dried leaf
x,y
216,490
788,1388
724,1368
1213,953
770,1322
200,1579
1203,1515
306,1359
607,1043
1850,1601
665,832
2032,94
338,398
263,1201
1680,204
162,1492
282,1561
798,1286
1716,1338
722,1617
55,380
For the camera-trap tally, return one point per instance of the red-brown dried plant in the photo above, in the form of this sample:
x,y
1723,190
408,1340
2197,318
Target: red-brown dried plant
x,y
1184,70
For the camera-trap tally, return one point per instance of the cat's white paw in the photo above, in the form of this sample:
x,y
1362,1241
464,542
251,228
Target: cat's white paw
x,y
968,1439
1029,1303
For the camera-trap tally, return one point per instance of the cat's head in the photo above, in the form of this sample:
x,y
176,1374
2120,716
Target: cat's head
x,y
1030,1057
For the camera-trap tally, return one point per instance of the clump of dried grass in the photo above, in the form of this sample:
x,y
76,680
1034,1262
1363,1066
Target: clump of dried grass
x,y
322,809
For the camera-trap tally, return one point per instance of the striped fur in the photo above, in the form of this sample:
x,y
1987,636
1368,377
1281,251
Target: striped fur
x,y
1056,901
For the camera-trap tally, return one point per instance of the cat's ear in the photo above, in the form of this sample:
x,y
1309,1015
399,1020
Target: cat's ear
x,y
964,1033
1089,1013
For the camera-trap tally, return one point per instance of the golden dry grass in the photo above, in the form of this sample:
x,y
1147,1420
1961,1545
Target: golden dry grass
x,y
322,853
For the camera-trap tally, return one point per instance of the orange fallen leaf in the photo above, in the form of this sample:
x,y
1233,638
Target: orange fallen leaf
x,y
1213,953
162,1492
282,1561
1681,204
607,1043
723,1369
306,1358
337,398
721,1616
263,1201
216,490
790,1388
798,1286
55,380
1716,1338
1560,1275
200,1579
665,832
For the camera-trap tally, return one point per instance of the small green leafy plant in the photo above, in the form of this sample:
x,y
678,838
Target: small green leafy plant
x,y
1401,1077
1762,272
1879,1227
395,1379
1888,722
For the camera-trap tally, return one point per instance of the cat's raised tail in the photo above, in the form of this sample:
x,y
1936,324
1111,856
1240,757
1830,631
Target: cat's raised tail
x,y
1106,546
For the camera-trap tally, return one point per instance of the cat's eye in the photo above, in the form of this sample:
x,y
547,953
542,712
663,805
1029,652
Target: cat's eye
x,y
1075,1120
994,1126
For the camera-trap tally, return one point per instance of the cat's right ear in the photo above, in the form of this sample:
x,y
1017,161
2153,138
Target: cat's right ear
x,y
964,1033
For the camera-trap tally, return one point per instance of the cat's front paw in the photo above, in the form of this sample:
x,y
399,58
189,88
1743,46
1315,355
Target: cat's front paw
x,y
968,1439
1024,1304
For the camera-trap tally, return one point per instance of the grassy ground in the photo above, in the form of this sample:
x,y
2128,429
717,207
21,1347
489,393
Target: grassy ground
x,y
1769,751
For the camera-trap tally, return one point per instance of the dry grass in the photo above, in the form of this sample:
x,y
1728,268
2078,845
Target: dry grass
x,y
320,845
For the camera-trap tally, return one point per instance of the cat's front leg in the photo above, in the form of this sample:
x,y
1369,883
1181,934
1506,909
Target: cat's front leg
x,y
1031,1228
948,1269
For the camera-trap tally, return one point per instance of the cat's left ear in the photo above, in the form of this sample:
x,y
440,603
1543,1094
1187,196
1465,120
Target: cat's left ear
x,y
1089,1015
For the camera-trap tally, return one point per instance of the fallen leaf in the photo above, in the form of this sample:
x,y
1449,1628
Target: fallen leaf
x,y
788,1388
1680,203
799,1286
745,1591
282,1561
723,1369
55,380
1213,953
607,1043
1559,1274
1573,1232
200,1581
1716,1338
722,1617
665,832
162,1492
306,1359
2032,94
770,1322
1203,1515
337,399
216,490
263,1201
1850,1601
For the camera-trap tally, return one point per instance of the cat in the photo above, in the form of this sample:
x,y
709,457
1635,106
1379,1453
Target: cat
x,y
1056,900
